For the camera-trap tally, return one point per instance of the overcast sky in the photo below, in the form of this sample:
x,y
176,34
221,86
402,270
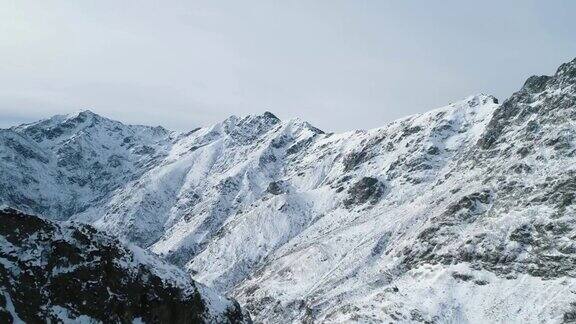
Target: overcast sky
x,y
340,65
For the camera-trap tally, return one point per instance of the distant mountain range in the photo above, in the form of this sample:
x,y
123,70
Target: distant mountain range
x,y
466,213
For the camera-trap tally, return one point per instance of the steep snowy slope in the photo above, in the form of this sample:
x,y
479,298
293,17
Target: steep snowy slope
x,y
489,239
336,181
69,272
207,176
462,214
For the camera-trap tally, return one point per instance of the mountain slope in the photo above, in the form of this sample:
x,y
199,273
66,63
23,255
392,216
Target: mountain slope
x,y
462,214
493,232
70,272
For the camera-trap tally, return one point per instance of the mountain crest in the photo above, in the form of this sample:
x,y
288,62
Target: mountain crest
x,y
481,99
567,69
541,97
396,224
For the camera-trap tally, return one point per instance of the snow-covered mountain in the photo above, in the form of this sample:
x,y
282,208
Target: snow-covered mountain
x,y
463,214
60,166
71,273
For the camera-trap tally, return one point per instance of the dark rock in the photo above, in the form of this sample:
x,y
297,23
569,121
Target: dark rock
x,y
469,206
269,115
354,159
433,150
76,268
299,146
536,83
523,234
367,189
276,188
462,276
570,316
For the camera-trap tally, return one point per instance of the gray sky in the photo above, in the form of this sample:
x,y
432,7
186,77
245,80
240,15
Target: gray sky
x,y
340,65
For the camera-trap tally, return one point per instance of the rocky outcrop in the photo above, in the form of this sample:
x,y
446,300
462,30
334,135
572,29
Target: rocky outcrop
x,y
366,190
53,272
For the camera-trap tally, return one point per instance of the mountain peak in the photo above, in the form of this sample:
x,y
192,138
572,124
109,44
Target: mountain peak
x,y
247,127
72,123
84,112
530,100
265,116
565,75
568,68
83,115
269,115
77,116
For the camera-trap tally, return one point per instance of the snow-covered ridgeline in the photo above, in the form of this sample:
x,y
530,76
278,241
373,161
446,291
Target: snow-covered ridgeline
x,y
301,224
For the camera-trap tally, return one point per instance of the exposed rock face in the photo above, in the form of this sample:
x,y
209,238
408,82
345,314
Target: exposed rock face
x,y
71,272
276,188
367,189
462,214
525,159
549,98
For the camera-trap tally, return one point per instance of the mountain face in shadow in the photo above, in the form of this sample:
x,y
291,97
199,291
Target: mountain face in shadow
x,y
63,272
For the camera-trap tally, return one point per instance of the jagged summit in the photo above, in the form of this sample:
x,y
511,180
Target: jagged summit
x,y
565,76
265,116
249,127
268,114
472,101
567,69
84,113
79,115
482,98
73,123
540,98
263,120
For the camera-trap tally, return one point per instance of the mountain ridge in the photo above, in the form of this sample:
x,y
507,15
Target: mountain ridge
x,y
302,225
